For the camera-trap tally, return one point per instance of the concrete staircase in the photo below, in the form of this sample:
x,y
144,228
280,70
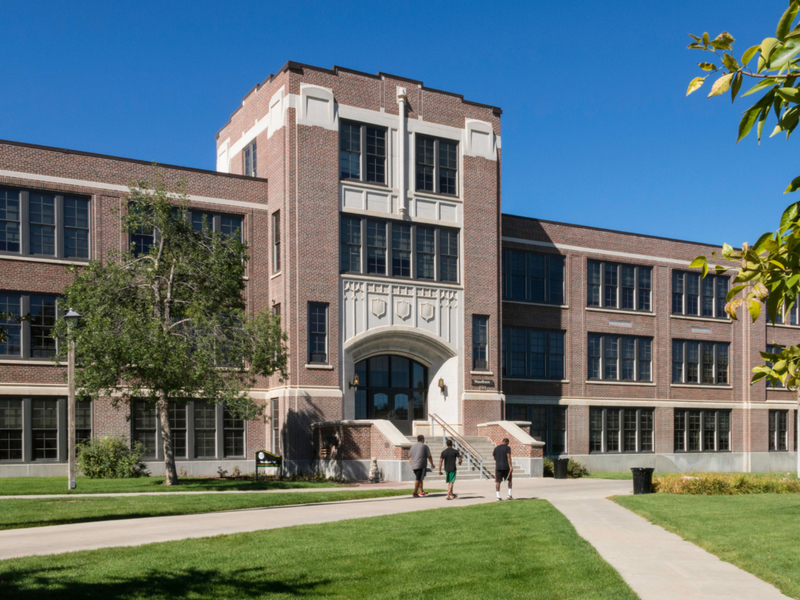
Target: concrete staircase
x,y
468,472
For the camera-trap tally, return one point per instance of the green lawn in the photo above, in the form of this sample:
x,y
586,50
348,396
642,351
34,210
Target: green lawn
x,y
629,475
757,532
18,486
505,550
39,512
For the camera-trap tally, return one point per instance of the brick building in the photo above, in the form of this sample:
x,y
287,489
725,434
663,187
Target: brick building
x,y
371,205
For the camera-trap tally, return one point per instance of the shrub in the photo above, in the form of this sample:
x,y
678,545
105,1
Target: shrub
x,y
111,458
575,470
725,484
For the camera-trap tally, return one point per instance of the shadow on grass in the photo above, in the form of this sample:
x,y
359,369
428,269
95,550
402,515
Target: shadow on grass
x,y
45,584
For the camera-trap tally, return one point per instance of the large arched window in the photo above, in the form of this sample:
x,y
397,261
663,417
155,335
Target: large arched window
x,y
393,388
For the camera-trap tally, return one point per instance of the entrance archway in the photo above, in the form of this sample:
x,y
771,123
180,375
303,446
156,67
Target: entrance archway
x,y
394,388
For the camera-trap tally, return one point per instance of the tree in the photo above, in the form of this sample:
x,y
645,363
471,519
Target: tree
x,y
769,271
166,320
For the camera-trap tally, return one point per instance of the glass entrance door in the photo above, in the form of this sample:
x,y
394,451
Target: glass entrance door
x,y
393,388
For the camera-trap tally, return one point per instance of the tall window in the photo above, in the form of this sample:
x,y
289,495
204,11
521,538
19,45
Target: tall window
x,y
698,297
700,362
44,224
205,430
29,323
533,277
275,425
548,424
612,285
144,427
249,166
276,241
44,426
233,434
620,357
317,332
362,152
533,353
83,422
778,430
620,430
702,430
788,315
179,426
10,429
480,343
403,250
436,165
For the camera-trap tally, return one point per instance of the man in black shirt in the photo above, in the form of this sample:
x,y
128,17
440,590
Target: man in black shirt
x,y
448,457
503,467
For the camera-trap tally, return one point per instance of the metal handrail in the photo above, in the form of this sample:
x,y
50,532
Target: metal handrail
x,y
473,456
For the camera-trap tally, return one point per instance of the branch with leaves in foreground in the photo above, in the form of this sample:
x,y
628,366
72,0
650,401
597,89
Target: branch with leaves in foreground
x,y
769,271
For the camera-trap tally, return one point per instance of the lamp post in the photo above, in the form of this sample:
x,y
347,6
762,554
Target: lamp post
x,y
71,318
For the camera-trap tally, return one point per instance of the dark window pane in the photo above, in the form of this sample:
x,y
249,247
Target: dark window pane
x,y
9,220
318,331
43,319
42,216
401,250
426,253
10,429
11,307
205,430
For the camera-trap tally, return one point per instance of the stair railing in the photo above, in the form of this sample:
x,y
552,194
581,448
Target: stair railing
x,y
473,456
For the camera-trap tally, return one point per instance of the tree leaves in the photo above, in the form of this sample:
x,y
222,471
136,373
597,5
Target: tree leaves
x,y
695,84
793,186
737,83
785,22
749,54
721,85
707,66
789,94
767,45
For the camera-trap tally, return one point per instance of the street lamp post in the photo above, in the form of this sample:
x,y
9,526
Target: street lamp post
x,y
72,318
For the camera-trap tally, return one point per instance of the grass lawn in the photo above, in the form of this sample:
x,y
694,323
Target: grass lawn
x,y
629,475
757,532
505,550
18,486
38,512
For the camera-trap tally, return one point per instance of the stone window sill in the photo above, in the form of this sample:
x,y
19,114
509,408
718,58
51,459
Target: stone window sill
x,y
319,367
615,311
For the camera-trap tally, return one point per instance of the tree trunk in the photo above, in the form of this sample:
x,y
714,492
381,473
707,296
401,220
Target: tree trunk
x,y
166,436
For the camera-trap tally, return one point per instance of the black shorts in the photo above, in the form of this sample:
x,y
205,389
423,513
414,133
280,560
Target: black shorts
x,y
420,474
500,476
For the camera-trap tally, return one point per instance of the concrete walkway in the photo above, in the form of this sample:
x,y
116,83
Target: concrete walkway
x,y
655,563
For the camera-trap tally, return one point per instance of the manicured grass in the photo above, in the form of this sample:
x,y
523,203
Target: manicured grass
x,y
756,532
507,550
18,486
38,512
627,475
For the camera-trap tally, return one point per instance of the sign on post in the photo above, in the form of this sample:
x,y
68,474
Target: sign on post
x,y
267,459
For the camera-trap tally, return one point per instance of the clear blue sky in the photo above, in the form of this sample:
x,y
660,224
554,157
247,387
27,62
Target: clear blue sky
x,y
596,126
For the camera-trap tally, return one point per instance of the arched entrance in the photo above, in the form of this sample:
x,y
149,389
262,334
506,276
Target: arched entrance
x,y
394,388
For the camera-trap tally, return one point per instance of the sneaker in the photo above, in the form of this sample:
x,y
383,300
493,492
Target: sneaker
x,y
454,496
423,493
415,495
509,498
499,499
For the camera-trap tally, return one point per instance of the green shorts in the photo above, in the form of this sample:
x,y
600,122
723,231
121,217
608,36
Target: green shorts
x,y
451,476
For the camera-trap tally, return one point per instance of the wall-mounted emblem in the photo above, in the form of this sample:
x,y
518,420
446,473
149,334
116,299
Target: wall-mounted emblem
x,y
378,307
403,309
427,311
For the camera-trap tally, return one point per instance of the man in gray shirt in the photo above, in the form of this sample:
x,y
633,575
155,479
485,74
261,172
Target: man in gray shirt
x,y
417,455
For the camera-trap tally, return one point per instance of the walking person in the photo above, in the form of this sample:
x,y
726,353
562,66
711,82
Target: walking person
x,y
503,468
448,458
417,455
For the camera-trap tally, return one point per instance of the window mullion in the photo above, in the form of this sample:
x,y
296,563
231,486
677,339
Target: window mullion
x,y
362,156
603,284
437,271
24,224
59,227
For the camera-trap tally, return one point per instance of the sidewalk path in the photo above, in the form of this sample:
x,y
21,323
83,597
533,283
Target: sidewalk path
x,y
657,564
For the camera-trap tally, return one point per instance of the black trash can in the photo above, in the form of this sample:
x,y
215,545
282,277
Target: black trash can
x,y
642,480
560,468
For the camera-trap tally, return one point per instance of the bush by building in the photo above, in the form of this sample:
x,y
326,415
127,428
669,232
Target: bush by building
x,y
726,484
111,458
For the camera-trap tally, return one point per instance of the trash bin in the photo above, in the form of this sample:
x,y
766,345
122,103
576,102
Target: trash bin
x,y
560,468
642,480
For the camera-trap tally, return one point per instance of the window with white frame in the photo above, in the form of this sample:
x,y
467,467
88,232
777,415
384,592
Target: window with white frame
x,y
620,357
436,165
704,363
362,152
249,160
693,295
480,343
395,249
276,241
614,285
613,430
778,430
46,224
702,430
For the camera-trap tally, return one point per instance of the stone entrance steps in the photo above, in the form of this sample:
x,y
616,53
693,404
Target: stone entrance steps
x,y
466,472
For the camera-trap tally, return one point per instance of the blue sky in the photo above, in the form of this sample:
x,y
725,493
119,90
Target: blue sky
x,y
596,126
